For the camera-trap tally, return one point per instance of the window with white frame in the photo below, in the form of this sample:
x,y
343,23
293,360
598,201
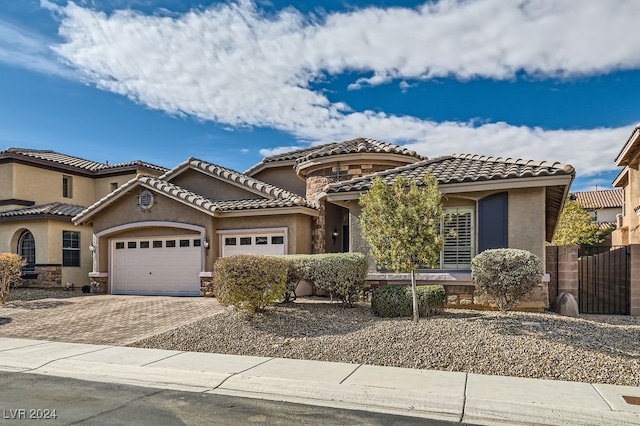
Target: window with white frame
x,y
458,233
70,248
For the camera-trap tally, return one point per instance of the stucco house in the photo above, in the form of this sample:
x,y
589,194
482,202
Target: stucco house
x,y
604,207
628,179
161,235
40,192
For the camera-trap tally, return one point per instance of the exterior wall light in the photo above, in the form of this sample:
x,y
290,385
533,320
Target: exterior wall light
x,y
92,248
205,243
334,235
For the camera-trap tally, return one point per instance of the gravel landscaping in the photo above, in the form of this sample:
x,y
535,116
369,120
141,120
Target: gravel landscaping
x,y
593,348
28,294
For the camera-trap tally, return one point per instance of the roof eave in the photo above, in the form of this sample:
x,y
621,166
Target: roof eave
x,y
624,157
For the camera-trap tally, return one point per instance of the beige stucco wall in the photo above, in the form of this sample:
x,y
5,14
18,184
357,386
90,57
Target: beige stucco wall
x,y
283,177
6,188
45,186
126,211
526,218
48,239
210,187
102,186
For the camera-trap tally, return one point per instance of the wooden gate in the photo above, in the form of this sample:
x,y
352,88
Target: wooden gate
x,y
604,280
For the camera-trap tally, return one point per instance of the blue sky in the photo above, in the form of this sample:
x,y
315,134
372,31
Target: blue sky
x,y
231,82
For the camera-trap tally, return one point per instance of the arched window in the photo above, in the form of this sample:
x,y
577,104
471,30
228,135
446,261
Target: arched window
x,y
27,249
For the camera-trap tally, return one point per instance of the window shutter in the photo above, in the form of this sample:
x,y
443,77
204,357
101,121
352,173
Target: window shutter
x,y
458,238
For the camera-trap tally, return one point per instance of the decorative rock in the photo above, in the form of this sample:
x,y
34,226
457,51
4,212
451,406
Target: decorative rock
x,y
566,305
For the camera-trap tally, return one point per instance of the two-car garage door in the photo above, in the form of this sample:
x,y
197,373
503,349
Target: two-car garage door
x,y
157,265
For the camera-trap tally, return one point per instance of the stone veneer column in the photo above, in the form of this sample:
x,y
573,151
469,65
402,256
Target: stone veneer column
x,y
315,185
634,290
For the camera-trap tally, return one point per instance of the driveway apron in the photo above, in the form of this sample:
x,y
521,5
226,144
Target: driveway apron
x,y
102,319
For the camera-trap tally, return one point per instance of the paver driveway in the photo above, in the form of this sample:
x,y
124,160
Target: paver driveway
x,y
102,319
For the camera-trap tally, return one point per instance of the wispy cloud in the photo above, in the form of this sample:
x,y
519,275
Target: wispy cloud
x,y
234,64
26,49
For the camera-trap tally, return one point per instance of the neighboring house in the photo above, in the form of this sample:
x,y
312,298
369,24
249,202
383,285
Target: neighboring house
x,y
161,235
604,206
628,179
41,191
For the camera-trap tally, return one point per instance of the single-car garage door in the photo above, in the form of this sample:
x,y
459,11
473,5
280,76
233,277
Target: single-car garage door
x,y
156,265
266,243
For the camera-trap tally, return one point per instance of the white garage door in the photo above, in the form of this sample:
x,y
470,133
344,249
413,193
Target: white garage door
x,y
259,243
156,266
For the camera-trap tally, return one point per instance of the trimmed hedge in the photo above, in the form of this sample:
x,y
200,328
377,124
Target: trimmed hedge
x,y
506,275
250,281
397,301
339,274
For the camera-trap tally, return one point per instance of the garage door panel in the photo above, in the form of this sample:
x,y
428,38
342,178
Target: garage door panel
x,y
145,266
263,243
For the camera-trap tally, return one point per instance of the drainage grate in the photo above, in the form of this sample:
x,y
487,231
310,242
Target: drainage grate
x,y
633,400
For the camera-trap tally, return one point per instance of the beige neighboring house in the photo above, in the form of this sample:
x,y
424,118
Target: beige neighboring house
x,y
162,235
604,207
40,192
628,225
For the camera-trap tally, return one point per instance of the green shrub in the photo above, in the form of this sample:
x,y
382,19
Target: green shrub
x,y
339,274
249,281
396,300
506,275
10,272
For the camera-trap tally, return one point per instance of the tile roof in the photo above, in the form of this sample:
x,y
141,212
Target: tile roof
x,y
352,146
359,145
196,200
73,162
460,168
230,175
600,199
605,226
51,209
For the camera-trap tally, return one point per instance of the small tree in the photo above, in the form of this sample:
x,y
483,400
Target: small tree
x,y
10,272
402,223
575,227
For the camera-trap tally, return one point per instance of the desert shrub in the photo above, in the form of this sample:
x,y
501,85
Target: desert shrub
x,y
506,275
249,281
339,274
10,272
396,300
295,274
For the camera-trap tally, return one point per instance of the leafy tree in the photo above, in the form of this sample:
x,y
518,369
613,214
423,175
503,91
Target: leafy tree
x,y
402,223
575,227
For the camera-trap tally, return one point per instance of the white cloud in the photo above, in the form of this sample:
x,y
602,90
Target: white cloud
x,y
267,152
26,49
235,65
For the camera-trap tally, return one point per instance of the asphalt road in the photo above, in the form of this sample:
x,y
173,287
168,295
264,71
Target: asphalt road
x,y
30,399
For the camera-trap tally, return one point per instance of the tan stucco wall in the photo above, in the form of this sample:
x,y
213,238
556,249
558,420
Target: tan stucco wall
x,y
631,220
299,229
48,238
6,186
45,186
283,177
527,220
126,210
103,185
212,188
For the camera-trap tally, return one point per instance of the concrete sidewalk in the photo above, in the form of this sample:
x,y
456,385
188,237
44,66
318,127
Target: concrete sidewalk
x,y
460,397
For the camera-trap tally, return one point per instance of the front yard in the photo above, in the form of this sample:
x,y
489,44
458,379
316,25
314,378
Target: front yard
x,y
593,348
